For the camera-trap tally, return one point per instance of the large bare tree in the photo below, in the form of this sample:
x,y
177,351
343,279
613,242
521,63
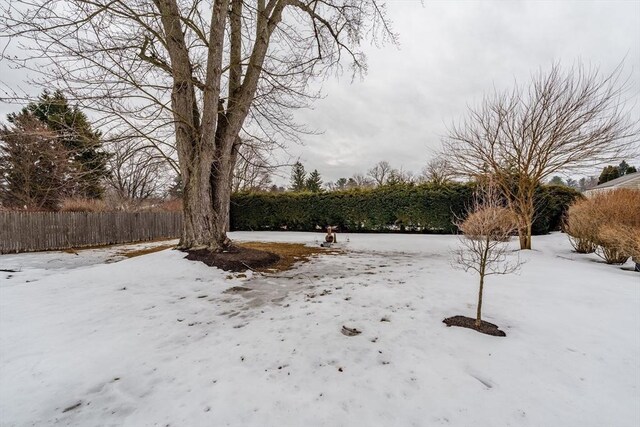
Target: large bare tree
x,y
563,120
194,76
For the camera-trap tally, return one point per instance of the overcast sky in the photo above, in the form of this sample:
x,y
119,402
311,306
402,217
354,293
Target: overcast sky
x,y
450,53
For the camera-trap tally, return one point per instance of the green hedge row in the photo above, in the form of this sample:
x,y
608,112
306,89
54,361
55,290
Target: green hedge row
x,y
552,201
419,208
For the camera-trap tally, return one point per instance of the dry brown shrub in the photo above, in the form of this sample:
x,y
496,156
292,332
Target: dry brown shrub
x,y
494,222
83,205
581,226
112,203
623,239
609,220
172,205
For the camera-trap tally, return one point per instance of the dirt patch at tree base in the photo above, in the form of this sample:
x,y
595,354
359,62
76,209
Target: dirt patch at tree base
x,y
290,253
467,322
267,257
236,258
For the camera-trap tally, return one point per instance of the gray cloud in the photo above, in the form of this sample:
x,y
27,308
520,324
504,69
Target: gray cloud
x,y
450,54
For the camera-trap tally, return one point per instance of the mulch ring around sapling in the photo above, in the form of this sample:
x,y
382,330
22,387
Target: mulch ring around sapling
x,y
235,258
467,322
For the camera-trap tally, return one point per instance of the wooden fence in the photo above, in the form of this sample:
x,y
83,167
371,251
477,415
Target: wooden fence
x,y
40,231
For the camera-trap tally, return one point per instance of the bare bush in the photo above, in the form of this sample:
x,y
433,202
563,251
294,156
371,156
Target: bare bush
x,y
579,226
583,246
624,239
172,205
84,205
487,229
113,203
619,216
612,255
610,221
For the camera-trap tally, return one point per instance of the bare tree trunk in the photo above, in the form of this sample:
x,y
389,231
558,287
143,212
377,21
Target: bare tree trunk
x,y
221,188
524,234
525,224
195,136
199,225
483,266
479,311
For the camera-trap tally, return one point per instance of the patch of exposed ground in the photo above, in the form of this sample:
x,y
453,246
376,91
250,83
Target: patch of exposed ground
x,y
132,253
268,257
289,253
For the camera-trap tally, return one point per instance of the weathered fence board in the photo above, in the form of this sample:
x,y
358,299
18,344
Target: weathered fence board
x,y
41,231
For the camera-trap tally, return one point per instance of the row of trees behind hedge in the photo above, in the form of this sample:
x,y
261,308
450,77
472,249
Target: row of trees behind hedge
x,y
425,208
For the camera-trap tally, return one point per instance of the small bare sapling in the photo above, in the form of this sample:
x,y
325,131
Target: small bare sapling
x,y
484,248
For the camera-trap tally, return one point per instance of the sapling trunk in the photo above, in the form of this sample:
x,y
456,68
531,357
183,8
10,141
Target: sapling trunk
x,y
483,267
479,312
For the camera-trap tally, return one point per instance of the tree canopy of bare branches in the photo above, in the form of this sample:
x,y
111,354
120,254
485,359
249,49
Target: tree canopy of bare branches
x,y
381,172
252,171
563,120
438,171
136,171
194,77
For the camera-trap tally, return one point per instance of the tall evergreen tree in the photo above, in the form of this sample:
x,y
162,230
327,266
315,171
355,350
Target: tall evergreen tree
x,y
32,168
612,172
556,180
83,145
298,177
623,168
608,173
314,182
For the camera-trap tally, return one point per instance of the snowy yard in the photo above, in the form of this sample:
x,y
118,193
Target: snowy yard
x,y
92,339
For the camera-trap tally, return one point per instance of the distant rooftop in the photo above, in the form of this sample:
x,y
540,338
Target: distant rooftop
x,y
618,181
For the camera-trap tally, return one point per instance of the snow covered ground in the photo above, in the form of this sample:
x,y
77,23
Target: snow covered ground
x,y
156,340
